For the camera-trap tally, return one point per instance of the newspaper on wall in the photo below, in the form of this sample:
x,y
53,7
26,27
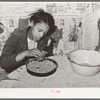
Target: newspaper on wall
x,y
76,21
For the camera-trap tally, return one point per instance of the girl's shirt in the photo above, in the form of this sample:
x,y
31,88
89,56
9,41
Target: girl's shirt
x,y
31,44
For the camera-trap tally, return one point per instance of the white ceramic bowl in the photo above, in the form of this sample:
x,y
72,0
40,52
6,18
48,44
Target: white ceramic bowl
x,y
85,62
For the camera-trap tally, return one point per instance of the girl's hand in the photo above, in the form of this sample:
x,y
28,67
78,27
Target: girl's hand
x,y
40,55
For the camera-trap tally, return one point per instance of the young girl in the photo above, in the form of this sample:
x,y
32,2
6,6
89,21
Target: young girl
x,y
29,42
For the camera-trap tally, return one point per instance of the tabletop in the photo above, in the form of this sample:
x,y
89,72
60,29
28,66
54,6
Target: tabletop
x,y
64,77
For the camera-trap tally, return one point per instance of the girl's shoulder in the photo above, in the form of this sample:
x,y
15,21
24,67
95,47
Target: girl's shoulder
x,y
19,33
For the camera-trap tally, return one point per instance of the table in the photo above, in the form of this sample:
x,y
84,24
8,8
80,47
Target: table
x,y
64,77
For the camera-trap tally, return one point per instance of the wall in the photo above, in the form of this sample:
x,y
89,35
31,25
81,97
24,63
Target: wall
x,y
67,17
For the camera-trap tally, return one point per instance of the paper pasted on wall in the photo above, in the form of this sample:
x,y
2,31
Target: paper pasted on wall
x,y
73,30
2,25
11,23
70,28
14,8
51,8
96,7
61,8
67,16
68,8
81,7
31,7
1,8
91,35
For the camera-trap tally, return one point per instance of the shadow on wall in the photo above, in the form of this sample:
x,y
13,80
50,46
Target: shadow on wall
x,y
57,35
23,23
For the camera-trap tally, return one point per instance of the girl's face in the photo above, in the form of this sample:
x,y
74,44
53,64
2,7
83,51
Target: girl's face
x,y
39,30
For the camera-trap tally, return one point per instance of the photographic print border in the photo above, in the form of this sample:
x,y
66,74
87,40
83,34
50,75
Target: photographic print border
x,y
63,94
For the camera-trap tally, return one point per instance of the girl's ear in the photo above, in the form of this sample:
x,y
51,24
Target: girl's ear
x,y
32,23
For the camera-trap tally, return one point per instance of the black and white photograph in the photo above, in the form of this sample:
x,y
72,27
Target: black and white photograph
x,y
49,45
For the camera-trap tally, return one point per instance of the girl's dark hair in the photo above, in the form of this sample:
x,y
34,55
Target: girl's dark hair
x,y
40,15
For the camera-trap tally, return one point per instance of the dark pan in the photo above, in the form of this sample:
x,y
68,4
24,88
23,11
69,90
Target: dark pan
x,y
42,74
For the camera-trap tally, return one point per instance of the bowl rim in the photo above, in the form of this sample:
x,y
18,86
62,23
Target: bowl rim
x,y
86,66
84,50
